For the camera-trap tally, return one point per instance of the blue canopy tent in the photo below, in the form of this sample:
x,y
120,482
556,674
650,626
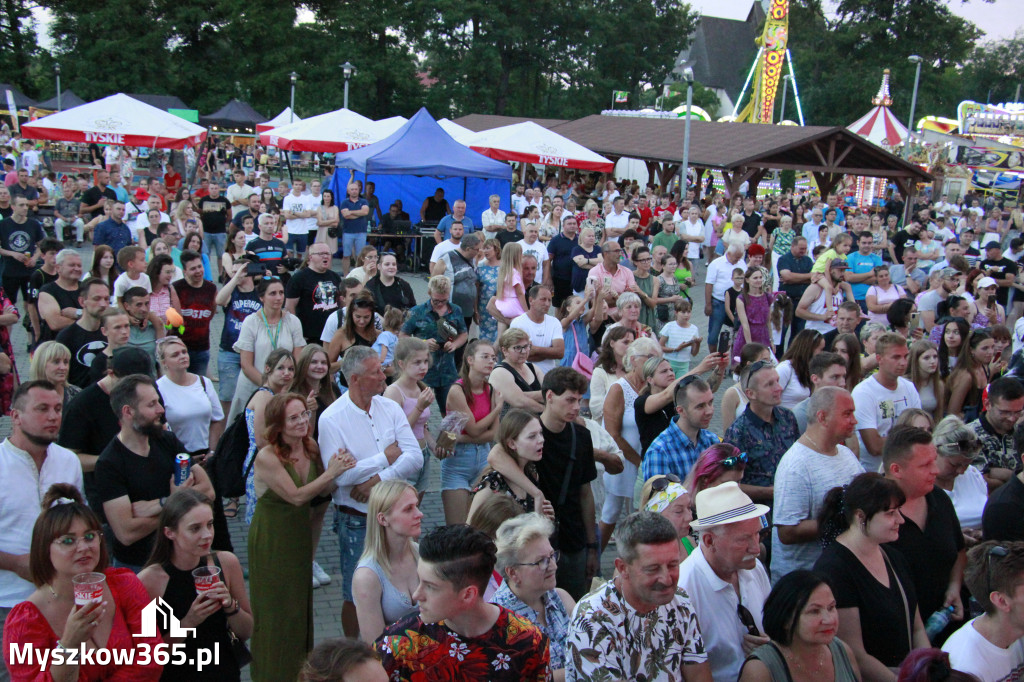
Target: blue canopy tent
x,y
418,158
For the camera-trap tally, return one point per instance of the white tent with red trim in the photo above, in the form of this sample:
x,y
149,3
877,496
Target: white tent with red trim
x,y
335,131
533,143
117,120
284,118
879,125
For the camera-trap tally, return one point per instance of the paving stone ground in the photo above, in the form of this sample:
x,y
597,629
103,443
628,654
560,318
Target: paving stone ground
x,y
327,600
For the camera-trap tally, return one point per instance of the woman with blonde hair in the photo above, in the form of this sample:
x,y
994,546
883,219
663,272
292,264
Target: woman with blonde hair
x,y
923,370
517,380
665,494
957,446
385,578
510,296
51,362
528,563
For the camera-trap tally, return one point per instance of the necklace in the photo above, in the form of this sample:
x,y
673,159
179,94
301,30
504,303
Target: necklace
x,y
799,664
817,448
52,591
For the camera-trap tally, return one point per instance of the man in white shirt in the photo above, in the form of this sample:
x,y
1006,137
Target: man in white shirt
x,y
691,230
30,462
817,462
314,198
519,200
493,219
546,344
810,228
882,398
991,646
376,432
615,222
532,244
724,579
447,245
295,210
719,279
238,193
142,217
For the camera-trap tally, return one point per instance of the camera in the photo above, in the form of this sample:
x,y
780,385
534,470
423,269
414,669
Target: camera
x,y
291,262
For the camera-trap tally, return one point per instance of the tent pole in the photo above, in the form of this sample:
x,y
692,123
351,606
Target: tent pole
x,y
288,162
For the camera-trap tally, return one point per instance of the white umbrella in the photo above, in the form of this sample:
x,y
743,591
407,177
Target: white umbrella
x,y
284,118
335,131
534,143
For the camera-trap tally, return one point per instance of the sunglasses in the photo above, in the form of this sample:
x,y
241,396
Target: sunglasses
x,y
748,620
757,367
997,551
662,483
734,461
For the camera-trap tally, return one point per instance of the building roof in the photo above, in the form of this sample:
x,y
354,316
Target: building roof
x,y
164,102
20,99
478,122
721,51
68,99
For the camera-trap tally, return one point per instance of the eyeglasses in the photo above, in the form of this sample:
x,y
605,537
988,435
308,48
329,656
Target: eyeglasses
x,y
748,620
71,542
662,483
544,560
521,349
734,461
300,417
998,551
438,301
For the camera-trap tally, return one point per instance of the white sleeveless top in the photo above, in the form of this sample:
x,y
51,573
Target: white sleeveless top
x,y
621,484
818,308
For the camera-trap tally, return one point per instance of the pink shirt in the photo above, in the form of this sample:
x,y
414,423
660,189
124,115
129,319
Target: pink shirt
x,y
620,281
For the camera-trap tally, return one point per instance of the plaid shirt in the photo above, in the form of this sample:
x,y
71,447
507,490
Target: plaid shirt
x,y
672,452
996,451
765,443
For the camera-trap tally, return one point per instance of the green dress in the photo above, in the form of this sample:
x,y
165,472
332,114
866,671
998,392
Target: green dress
x,y
281,583
648,316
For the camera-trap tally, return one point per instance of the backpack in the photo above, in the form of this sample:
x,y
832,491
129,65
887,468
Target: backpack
x,y
464,291
226,465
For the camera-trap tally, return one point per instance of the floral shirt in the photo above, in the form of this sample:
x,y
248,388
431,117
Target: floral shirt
x,y
764,443
513,650
996,451
557,619
609,640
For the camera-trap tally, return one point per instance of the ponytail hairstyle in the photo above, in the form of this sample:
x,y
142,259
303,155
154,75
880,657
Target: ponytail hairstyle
x,y
868,493
471,349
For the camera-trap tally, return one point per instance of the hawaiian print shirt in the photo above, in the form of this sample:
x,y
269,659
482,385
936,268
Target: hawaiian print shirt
x,y
557,627
514,650
996,451
609,641
423,324
764,443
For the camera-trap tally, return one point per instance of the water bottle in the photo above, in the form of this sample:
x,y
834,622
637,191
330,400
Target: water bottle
x,y
938,621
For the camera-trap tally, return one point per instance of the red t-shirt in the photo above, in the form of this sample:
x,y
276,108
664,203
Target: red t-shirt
x,y
197,307
173,182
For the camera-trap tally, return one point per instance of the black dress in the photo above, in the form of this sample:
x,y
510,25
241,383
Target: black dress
x,y
212,632
520,382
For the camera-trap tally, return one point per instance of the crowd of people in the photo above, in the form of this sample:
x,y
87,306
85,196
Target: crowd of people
x,y
856,515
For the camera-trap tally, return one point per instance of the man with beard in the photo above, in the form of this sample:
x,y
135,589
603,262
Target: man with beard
x,y
84,338
676,450
30,461
135,473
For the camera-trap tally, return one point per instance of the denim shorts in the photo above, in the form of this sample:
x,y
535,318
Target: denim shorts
x,y
298,241
352,243
229,365
422,479
461,470
351,537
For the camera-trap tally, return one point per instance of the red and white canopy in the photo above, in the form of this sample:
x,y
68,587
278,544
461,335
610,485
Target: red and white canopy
x,y
534,143
117,120
335,131
879,125
284,118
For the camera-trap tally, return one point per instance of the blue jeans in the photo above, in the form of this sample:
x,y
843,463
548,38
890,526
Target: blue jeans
x,y
229,366
297,242
351,537
198,361
213,245
715,324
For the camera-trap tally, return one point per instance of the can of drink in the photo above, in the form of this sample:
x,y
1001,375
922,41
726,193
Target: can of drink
x,y
182,468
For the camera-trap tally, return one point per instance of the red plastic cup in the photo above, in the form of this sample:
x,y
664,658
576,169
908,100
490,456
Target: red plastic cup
x,y
88,588
206,577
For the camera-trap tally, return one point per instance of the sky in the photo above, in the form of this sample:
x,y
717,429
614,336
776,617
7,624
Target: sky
x,y
999,19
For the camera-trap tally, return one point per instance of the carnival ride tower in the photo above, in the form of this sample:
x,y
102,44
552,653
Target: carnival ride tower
x,y
772,61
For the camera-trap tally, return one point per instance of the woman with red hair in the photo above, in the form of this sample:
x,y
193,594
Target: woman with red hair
x,y
289,480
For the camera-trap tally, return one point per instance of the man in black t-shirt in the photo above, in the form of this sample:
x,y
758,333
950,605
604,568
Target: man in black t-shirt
x,y
96,196
577,533
312,293
39,278
214,211
510,233
138,467
58,301
1002,269
84,338
751,218
899,241
19,237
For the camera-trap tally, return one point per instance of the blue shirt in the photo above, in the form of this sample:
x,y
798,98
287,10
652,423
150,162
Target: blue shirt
x,y
114,235
764,443
672,452
859,264
445,226
557,628
354,225
422,323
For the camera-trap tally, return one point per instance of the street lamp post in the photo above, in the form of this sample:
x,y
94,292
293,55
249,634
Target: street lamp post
x,y
348,70
294,76
914,59
56,67
688,76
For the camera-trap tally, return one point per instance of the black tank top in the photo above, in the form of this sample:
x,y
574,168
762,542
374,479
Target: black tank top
x,y
436,209
179,595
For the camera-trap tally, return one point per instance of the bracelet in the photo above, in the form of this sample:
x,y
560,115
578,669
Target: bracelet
x,y
236,609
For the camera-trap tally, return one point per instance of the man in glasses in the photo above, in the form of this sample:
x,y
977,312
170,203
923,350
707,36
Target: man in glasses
x,y
1005,508
677,448
726,583
608,274
312,292
1004,405
989,646
641,624
764,430
816,463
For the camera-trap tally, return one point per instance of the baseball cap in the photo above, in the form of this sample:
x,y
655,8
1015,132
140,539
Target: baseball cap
x,y
948,273
131,360
986,282
839,264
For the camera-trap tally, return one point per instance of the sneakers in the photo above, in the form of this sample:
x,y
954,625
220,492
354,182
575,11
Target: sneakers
x,y
320,576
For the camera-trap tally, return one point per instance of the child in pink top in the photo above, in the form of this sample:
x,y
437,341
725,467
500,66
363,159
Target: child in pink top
x,y
510,299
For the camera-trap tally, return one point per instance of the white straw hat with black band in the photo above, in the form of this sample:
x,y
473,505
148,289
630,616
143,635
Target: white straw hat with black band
x,y
725,504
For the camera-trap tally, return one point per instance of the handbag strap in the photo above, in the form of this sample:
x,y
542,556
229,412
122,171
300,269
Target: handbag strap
x,y
572,463
906,604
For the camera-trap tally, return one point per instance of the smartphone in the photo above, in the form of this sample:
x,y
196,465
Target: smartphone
x,y
724,341
914,319
255,269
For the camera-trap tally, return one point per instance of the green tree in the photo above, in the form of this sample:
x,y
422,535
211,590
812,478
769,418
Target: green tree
x,y
17,45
